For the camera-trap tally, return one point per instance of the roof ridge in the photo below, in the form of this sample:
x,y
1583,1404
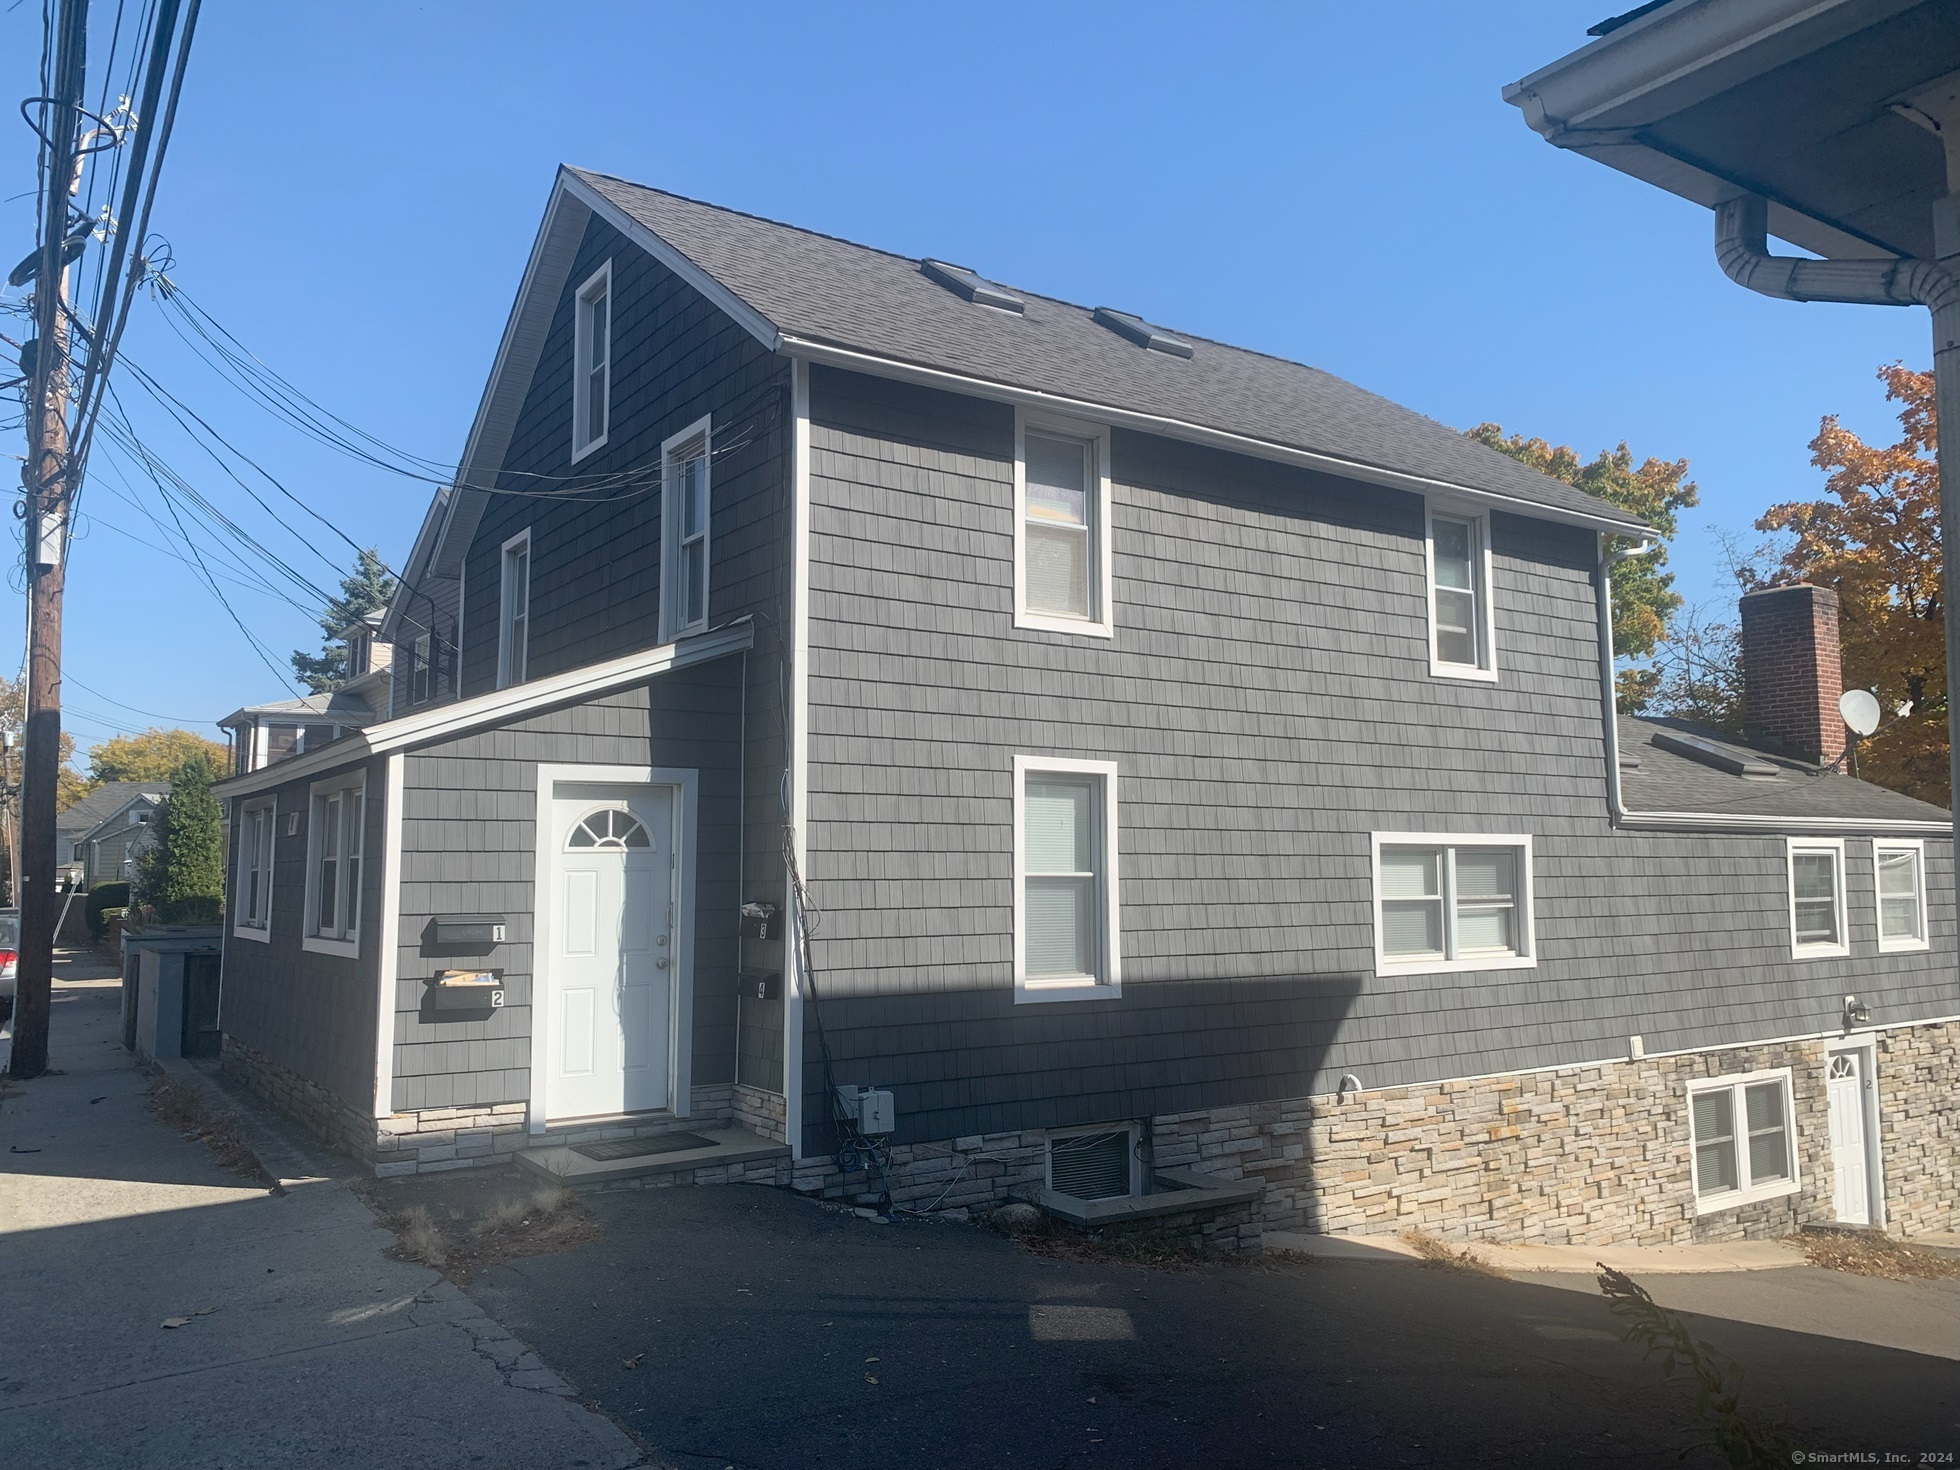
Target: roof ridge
x,y
1087,311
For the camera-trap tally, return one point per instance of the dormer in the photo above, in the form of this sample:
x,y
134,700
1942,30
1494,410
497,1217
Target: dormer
x,y
367,651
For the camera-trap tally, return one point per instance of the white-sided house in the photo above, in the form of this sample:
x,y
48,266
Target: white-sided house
x,y
1193,782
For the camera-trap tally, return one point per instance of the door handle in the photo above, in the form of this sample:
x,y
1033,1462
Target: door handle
x,y
660,963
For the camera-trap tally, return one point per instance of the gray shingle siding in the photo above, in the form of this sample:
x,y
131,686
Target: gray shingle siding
x,y
469,845
1268,699
312,1013
595,555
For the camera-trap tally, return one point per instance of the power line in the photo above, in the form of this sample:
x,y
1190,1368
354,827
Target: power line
x,y
69,678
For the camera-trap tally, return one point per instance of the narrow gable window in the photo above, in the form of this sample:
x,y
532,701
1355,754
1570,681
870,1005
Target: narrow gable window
x,y
1459,596
1065,927
1817,928
333,866
592,370
253,897
686,519
420,669
1451,903
1901,868
514,612
1062,572
1740,1129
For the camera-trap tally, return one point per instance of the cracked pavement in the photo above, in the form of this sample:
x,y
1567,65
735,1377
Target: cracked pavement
x,y
304,1345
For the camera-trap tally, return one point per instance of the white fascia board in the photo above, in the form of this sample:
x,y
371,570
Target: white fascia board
x,y
724,300
448,720
1190,433
419,557
1790,826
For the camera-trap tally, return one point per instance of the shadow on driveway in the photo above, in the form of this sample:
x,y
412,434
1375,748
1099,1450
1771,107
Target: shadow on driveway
x,y
762,1319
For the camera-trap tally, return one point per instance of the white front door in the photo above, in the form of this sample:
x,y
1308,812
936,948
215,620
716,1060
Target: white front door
x,y
1844,1083
609,965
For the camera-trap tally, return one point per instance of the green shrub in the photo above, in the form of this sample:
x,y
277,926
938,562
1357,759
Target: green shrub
x,y
104,896
180,875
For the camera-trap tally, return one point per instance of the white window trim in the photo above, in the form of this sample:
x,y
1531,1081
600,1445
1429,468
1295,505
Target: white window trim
x,y
671,609
581,331
1900,946
1484,672
1102,571
354,781
241,928
1110,986
504,643
1526,959
1745,1194
1835,846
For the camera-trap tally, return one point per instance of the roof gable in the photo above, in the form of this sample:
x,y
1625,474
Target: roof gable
x,y
105,801
809,294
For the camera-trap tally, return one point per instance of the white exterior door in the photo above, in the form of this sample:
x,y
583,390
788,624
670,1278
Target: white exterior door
x,y
609,963
1850,1169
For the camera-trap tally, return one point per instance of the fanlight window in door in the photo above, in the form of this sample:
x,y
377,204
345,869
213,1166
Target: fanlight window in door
x,y
609,827
1841,1068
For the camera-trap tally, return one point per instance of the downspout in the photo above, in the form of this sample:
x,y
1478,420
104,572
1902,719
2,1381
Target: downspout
x,y
1742,248
1609,700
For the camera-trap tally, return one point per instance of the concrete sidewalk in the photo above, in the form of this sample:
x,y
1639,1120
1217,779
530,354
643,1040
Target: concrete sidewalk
x,y
1635,1260
303,1344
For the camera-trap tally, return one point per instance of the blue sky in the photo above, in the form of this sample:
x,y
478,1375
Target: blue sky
x,y
352,190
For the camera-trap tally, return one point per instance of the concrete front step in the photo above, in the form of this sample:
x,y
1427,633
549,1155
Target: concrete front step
x,y
562,1164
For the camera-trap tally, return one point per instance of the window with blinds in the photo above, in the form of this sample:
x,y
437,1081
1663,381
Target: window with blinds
x,y
1459,595
1065,855
1062,573
1817,918
1446,904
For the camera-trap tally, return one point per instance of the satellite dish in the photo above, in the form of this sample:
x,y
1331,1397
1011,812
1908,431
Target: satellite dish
x,y
1860,711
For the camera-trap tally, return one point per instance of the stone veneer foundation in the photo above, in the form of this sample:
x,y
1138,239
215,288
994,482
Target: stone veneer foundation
x,y
434,1140
1595,1154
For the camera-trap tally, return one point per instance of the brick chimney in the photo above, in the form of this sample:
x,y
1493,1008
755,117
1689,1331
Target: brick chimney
x,y
1793,671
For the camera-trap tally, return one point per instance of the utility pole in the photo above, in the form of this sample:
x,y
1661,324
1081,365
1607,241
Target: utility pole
x,y
46,480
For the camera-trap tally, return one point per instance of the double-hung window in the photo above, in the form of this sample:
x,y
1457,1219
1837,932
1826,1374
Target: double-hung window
x,y
592,370
333,865
1460,635
686,518
1900,865
1741,1138
1817,919
420,669
514,612
1066,927
252,897
1451,903
1062,574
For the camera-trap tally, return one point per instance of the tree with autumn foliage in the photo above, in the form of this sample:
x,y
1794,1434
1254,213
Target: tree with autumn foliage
x,y
1644,600
1876,541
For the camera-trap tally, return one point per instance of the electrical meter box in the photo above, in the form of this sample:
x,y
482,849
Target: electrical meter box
x,y
869,1107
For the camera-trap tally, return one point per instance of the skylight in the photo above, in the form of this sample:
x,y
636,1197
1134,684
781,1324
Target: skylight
x,y
1720,757
963,282
1139,331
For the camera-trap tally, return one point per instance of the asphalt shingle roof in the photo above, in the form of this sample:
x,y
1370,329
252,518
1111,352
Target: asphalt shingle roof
x,y
100,804
832,291
1665,781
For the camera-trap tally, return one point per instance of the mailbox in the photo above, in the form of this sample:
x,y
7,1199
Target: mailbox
x,y
467,990
462,929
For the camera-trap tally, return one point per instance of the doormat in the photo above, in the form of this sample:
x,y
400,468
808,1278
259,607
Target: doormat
x,y
635,1148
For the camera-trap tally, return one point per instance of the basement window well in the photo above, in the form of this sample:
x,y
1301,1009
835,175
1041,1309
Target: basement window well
x,y
1093,1166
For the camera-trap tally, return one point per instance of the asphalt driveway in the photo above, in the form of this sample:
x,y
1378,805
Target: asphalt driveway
x,y
765,1331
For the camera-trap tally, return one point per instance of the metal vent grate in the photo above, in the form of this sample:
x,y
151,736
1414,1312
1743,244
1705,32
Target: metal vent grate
x,y
1090,1166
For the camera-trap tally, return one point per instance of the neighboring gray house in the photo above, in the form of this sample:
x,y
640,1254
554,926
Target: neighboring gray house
x,y
97,838
262,734
1192,763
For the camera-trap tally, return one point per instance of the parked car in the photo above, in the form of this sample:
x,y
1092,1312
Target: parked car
x,y
9,958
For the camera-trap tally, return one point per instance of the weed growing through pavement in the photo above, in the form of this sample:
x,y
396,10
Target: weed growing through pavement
x,y
1439,1255
1867,1253
539,1223
1745,1442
